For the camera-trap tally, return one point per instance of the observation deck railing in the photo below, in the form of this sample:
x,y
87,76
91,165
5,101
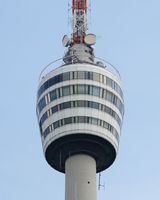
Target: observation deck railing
x,y
97,61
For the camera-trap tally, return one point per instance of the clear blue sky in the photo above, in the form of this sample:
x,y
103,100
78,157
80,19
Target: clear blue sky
x,y
128,34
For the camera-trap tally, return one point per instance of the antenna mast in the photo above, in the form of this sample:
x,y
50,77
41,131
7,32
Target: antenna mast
x,y
80,44
79,20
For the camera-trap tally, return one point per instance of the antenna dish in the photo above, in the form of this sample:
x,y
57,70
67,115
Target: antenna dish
x,y
65,41
90,39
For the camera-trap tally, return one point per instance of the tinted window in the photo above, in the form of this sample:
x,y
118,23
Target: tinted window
x,y
96,77
106,125
81,103
68,120
95,105
46,132
66,76
81,75
51,81
90,76
44,117
46,85
56,124
42,104
54,109
53,95
96,91
82,119
66,105
65,91
81,89
94,121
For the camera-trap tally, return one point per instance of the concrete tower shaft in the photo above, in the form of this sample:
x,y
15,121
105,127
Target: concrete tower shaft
x,y
80,179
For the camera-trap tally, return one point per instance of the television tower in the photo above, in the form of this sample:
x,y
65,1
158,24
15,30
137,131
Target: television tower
x,y
80,110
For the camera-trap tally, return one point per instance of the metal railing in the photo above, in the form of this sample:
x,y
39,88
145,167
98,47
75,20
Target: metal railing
x,y
98,61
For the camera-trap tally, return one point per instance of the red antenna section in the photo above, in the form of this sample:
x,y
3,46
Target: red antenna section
x,y
79,5
79,11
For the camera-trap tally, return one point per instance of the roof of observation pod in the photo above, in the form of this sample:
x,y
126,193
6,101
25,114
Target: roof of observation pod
x,y
99,62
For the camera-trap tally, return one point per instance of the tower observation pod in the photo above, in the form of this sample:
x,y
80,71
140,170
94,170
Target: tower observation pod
x,y
80,111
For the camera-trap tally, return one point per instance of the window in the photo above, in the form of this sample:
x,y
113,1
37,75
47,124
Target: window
x,y
95,105
74,75
44,117
66,76
81,119
90,89
73,104
46,85
81,103
68,120
53,95
103,93
56,124
66,91
51,81
74,89
56,79
81,89
81,75
90,76
109,96
106,125
62,122
46,132
54,109
41,104
95,121
96,91
65,105
114,99
59,92
96,77
108,81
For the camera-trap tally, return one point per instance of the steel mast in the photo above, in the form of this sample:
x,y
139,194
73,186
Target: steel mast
x,y
79,20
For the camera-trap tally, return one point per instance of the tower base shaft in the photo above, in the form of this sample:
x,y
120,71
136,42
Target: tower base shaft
x,y
80,178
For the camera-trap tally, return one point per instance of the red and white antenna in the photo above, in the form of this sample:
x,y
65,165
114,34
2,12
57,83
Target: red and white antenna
x,y
79,26
80,44
79,20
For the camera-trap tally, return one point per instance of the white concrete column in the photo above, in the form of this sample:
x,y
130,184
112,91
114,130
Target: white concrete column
x,y
80,178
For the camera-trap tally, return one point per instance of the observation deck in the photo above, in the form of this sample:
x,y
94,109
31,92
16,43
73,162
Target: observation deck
x,y
80,109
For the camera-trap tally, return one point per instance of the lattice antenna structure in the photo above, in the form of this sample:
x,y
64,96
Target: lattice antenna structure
x,y
79,24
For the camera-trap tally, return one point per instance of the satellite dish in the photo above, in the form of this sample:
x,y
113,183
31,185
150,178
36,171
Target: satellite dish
x,y
90,39
65,41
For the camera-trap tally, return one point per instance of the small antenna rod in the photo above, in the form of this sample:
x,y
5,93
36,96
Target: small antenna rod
x,y
99,182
